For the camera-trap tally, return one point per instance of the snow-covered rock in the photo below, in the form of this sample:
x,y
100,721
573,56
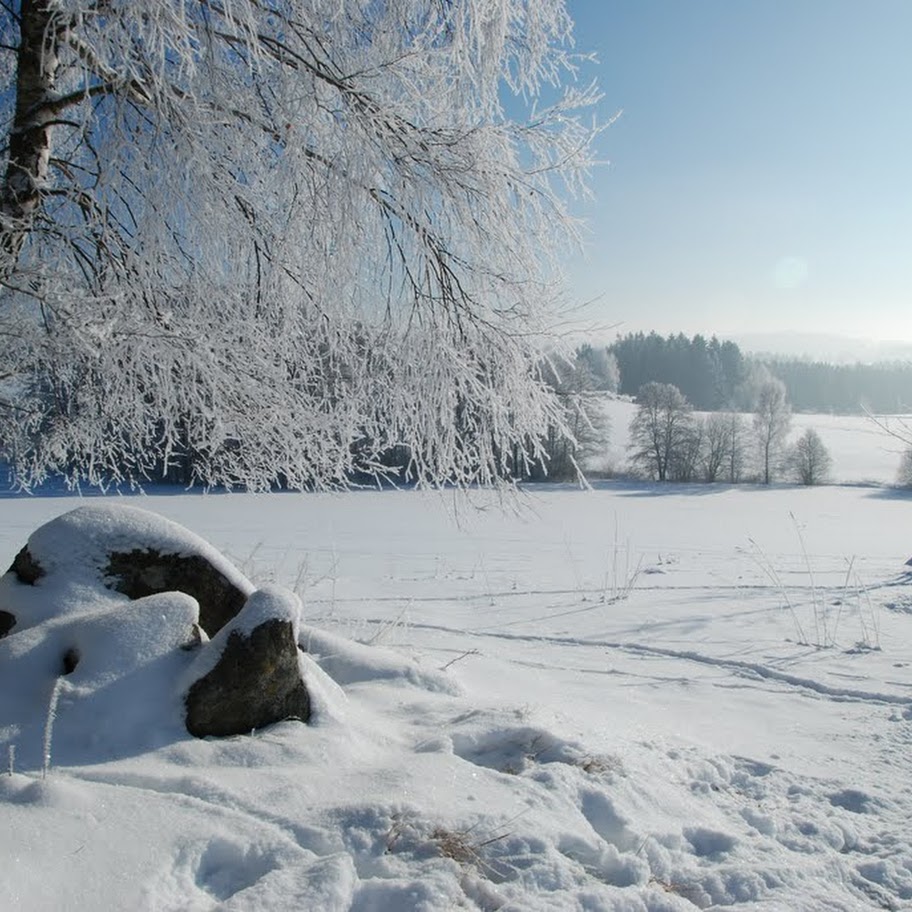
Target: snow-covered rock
x,y
125,549
107,652
255,678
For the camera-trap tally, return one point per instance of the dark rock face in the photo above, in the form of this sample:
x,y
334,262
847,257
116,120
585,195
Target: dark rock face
x,y
26,569
70,660
139,573
256,682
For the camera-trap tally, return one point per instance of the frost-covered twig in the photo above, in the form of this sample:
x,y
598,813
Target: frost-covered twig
x,y
49,725
821,632
459,658
764,563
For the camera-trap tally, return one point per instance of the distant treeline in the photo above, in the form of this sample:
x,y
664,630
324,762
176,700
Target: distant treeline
x,y
708,373
715,375
846,388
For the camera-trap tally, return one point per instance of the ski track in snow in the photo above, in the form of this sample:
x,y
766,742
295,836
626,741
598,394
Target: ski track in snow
x,y
744,669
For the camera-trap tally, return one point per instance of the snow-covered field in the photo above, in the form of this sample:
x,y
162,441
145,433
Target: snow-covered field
x,y
624,699
862,453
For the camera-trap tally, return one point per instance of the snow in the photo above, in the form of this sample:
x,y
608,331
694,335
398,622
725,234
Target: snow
x,y
632,698
862,453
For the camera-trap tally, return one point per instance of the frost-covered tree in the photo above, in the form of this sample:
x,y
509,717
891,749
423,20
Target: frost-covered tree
x,y
717,445
772,420
737,435
603,366
722,453
584,415
809,459
280,238
904,473
661,430
686,458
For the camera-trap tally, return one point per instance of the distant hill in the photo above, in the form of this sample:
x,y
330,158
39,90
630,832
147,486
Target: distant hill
x,y
826,347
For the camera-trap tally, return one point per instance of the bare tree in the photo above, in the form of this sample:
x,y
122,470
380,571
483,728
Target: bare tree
x,y
660,430
717,445
772,420
684,465
277,234
904,474
737,444
809,459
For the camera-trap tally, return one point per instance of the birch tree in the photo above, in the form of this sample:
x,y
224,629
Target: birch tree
x,y
282,236
772,420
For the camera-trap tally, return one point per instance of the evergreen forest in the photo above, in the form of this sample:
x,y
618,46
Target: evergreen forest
x,y
715,375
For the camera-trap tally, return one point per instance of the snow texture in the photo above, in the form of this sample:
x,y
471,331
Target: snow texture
x,y
600,703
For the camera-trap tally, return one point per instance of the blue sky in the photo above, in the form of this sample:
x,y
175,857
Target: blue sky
x,y
760,175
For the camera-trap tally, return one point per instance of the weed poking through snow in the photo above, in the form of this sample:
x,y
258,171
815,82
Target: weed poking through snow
x,y
765,564
825,625
467,847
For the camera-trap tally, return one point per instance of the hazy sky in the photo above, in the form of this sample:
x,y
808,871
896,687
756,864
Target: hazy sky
x,y
760,175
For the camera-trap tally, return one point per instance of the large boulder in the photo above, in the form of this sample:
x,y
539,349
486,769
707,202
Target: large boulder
x,y
250,675
139,573
104,610
126,549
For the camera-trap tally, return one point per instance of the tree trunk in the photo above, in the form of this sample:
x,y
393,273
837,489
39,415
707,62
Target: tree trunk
x,y
30,137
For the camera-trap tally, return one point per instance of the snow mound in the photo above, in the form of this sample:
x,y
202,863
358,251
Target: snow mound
x,y
88,675
118,700
348,662
80,541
